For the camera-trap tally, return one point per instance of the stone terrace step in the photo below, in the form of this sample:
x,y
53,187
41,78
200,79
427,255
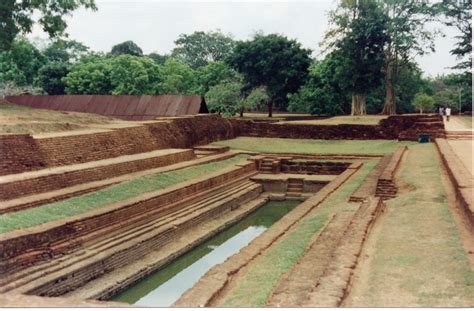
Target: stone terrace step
x,y
135,241
21,248
140,225
67,192
36,182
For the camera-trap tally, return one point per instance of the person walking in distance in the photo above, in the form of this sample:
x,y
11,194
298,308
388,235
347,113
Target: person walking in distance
x,y
448,113
441,111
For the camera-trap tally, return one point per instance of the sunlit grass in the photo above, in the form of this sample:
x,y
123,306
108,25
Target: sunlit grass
x,y
286,145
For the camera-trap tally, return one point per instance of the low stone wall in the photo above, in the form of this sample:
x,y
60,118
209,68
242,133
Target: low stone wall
x,y
406,127
462,180
52,182
386,188
312,167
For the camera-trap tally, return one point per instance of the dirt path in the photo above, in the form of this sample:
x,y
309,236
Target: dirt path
x,y
414,256
458,123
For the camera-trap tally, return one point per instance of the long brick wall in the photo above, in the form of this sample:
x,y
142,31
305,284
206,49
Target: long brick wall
x,y
406,127
21,153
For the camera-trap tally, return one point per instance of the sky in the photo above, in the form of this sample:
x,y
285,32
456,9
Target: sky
x,y
155,24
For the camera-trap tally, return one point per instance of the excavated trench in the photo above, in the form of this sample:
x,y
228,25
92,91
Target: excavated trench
x,y
164,287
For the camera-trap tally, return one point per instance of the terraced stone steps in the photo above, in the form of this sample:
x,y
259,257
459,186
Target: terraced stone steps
x,y
30,201
386,188
20,248
460,135
37,182
135,239
266,166
295,187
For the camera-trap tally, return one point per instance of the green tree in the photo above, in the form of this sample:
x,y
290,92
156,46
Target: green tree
x,y
21,63
273,61
322,94
213,74
132,75
257,99
423,102
225,98
126,48
158,58
90,76
19,16
176,78
200,48
360,48
50,78
408,35
65,51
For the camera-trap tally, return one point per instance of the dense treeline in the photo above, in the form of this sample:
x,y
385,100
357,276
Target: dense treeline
x,y
368,64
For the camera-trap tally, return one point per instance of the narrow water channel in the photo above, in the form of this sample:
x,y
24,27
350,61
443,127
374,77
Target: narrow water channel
x,y
164,287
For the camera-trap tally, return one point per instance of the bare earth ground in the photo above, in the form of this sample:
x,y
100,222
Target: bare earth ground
x,y
462,148
15,119
370,120
414,256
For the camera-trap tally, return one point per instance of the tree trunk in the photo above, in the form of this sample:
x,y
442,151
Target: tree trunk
x,y
270,108
358,105
241,112
389,106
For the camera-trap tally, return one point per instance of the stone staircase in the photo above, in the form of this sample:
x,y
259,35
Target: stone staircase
x,y
295,187
266,166
207,150
129,242
460,135
425,124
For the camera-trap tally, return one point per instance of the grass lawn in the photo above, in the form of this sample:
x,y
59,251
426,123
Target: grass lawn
x,y
122,191
417,257
259,281
285,145
369,120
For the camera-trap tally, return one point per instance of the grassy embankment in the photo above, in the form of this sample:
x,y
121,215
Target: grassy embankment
x,y
122,191
285,145
417,259
260,279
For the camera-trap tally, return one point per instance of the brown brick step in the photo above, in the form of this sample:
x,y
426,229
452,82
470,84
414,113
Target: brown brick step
x,y
136,225
67,192
123,250
47,180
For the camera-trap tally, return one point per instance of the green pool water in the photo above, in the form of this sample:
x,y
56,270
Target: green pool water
x,y
165,286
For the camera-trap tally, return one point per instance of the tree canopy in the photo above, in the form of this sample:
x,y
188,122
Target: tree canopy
x,y
126,48
273,61
200,48
18,17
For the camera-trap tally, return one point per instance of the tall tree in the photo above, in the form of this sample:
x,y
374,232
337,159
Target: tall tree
x,y
273,61
323,94
132,75
458,14
408,37
213,74
21,62
200,48
65,51
126,48
362,36
176,78
50,77
18,16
